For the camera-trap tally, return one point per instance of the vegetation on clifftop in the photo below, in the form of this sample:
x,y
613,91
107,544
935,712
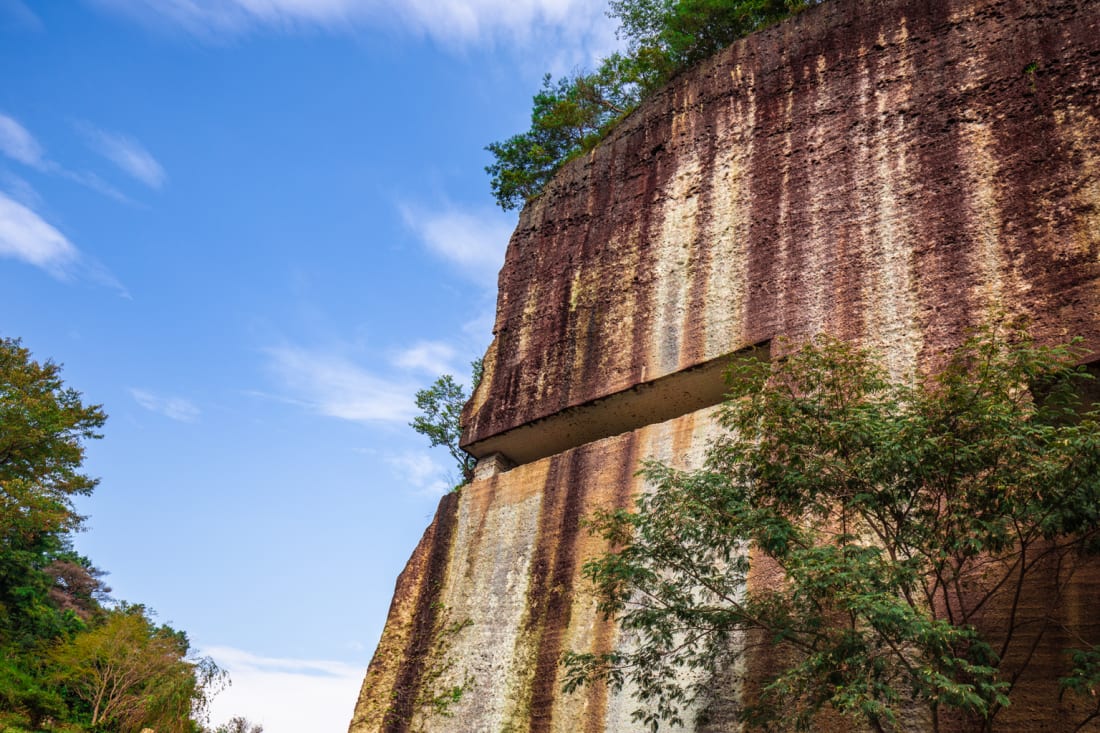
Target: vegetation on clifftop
x,y
910,545
570,115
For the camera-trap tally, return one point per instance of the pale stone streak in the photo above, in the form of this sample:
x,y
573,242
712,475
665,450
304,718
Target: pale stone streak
x,y
670,252
728,233
820,275
486,584
984,215
781,267
884,172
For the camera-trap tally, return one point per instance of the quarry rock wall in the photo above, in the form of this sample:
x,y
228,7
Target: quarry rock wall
x,y
886,171
890,172
494,594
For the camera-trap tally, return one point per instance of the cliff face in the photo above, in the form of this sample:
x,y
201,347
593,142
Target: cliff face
x,y
886,171
493,595
880,170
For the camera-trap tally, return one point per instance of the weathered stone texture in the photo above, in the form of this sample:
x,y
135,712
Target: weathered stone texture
x,y
883,170
887,171
510,597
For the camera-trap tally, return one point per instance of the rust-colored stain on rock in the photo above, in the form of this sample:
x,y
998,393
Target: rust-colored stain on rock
x,y
887,171
884,171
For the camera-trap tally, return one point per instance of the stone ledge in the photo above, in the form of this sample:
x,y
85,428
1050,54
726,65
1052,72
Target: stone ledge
x,y
648,403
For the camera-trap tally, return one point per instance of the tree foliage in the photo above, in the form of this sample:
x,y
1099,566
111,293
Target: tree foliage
x,y
133,674
43,427
441,418
674,34
891,529
65,655
570,115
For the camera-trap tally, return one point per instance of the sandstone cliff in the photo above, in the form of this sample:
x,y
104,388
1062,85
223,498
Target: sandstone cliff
x,y
887,171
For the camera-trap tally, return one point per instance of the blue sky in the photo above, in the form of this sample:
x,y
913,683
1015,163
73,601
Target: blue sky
x,y
252,229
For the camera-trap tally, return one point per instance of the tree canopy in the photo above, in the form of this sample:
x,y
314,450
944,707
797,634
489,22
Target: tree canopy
x,y
67,654
891,530
570,115
133,674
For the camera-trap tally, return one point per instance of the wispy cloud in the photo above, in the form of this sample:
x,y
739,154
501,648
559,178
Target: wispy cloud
x,y
18,144
176,408
430,357
25,236
270,691
421,472
452,22
333,385
473,240
95,183
128,154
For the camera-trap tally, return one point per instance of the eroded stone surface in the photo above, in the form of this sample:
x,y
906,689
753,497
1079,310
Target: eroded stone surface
x,y
887,171
509,598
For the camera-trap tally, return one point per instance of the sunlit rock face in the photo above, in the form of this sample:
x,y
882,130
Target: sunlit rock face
x,y
494,594
890,172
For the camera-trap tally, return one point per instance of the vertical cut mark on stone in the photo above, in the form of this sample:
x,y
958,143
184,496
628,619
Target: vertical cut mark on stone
x,y
671,254
783,233
985,215
892,290
728,229
819,261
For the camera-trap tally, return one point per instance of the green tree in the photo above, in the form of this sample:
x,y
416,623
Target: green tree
x,y
441,418
570,115
43,426
897,522
46,589
674,34
63,655
133,674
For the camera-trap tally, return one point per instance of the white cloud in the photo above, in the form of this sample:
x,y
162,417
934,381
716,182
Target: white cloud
x,y
18,144
429,357
175,408
333,385
453,22
475,241
128,154
421,472
286,695
25,236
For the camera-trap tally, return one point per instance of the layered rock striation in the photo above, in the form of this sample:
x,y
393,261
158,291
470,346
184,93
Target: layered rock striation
x,y
890,172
